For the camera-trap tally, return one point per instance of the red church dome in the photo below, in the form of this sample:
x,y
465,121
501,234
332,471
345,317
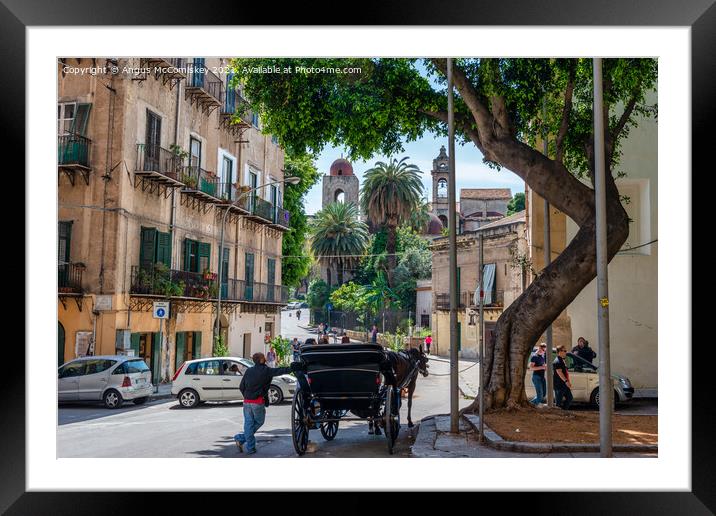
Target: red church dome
x,y
341,167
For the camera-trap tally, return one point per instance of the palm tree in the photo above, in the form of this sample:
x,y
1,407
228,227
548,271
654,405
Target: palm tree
x,y
338,237
390,194
420,217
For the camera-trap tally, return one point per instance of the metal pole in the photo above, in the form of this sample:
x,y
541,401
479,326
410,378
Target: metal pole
x,y
547,261
606,391
454,408
482,345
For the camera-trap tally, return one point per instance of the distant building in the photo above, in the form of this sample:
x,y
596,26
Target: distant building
x,y
480,206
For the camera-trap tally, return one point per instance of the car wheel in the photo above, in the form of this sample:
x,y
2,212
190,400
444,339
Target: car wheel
x,y
140,401
594,398
275,395
112,399
188,398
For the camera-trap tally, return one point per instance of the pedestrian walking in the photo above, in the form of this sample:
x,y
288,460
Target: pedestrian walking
x,y
538,366
562,386
255,386
320,328
345,339
374,334
296,347
298,315
271,357
582,350
428,341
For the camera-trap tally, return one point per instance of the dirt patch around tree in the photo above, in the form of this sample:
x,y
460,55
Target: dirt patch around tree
x,y
546,425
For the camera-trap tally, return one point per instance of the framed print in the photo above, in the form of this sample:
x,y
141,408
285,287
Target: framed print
x,y
171,211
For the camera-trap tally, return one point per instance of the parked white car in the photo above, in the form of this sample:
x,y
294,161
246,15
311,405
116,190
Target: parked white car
x,y
110,379
212,379
585,382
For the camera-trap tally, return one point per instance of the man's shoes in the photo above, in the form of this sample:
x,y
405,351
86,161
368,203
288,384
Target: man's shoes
x,y
250,452
239,444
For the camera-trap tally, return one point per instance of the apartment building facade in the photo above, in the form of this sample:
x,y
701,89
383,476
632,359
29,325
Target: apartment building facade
x,y
152,158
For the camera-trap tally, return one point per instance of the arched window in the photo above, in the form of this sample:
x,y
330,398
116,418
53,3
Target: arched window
x,y
442,188
339,196
444,220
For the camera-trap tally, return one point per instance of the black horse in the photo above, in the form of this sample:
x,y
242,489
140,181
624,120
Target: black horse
x,y
406,365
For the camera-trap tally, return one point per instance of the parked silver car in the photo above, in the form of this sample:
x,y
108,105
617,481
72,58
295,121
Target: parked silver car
x,y
214,379
110,379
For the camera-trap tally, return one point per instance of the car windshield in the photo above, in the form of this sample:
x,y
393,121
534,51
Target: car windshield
x,y
579,363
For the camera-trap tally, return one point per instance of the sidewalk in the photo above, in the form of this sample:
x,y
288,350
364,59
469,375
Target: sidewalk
x,y
435,440
164,391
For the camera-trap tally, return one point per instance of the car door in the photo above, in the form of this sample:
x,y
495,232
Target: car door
x,y
95,379
207,380
578,377
68,380
231,381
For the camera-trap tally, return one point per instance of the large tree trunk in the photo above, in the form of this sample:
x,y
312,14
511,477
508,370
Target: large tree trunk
x,y
390,242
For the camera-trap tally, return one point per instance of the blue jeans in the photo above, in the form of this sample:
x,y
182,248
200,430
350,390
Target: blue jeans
x,y
540,389
566,393
254,417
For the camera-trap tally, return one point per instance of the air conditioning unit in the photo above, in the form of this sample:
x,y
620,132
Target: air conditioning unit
x,y
124,340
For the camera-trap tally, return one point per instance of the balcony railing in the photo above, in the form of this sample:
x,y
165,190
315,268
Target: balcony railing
x,y
73,150
153,158
442,302
227,192
200,77
263,209
228,106
196,178
69,278
498,298
282,217
240,290
161,281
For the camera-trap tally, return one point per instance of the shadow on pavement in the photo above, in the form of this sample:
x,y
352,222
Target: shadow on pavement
x,y
77,412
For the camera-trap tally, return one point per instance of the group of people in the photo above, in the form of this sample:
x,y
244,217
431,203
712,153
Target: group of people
x,y
560,372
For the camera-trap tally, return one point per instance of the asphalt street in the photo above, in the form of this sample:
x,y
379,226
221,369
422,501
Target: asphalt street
x,y
163,429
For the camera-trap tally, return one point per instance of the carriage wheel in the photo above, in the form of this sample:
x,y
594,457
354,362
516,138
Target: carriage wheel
x,y
299,428
391,422
329,429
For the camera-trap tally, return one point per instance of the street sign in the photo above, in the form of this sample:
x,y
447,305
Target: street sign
x,y
329,307
161,309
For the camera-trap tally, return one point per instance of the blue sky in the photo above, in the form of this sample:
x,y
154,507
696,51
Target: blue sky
x,y
471,172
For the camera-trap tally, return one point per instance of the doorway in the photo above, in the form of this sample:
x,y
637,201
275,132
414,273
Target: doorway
x,y
246,353
60,344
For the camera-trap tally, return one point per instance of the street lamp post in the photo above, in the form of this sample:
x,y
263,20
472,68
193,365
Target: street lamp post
x,y
290,180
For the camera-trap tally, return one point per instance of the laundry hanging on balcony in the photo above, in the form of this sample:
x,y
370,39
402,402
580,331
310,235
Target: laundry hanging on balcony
x,y
488,280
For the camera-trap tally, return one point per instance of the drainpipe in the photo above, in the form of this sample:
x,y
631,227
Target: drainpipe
x,y
107,175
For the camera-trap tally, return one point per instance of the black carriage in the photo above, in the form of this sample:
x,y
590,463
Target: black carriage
x,y
335,379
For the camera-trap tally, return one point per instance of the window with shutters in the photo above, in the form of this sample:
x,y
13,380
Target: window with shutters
x,y
271,279
73,118
155,247
249,276
153,141
196,256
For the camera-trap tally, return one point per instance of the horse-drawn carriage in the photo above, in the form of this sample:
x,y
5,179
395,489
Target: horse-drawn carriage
x,y
335,379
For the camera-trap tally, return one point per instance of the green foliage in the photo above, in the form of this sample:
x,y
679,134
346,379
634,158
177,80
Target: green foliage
x,y
282,347
395,341
318,293
420,217
350,297
338,236
221,349
296,264
517,203
391,192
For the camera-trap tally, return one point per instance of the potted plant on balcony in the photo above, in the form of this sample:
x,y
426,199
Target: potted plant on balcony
x,y
179,155
209,276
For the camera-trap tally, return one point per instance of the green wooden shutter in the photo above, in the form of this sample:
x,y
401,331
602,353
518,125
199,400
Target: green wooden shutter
x,y
187,254
134,338
164,248
79,123
197,344
204,258
148,248
180,349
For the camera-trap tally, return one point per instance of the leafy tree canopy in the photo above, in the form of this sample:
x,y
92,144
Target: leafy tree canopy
x,y
517,203
318,293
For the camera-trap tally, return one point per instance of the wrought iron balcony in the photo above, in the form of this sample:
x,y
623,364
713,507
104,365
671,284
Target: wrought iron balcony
x,y
200,182
157,160
204,87
254,292
282,218
442,302
263,209
227,192
73,150
158,280
69,278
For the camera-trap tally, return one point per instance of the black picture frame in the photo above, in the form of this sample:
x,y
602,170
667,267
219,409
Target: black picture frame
x,y
700,16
